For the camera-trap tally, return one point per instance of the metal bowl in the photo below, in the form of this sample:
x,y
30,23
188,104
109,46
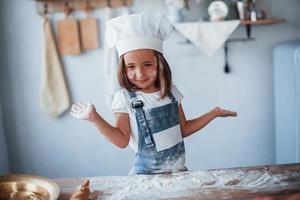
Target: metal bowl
x,y
27,187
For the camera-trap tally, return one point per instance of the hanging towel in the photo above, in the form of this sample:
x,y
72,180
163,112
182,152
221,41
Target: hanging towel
x,y
54,96
111,59
208,36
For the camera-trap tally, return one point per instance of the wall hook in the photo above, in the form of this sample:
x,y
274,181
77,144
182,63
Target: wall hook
x,y
108,3
88,8
67,8
45,9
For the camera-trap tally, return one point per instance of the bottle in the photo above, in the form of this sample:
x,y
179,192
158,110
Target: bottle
x,y
253,14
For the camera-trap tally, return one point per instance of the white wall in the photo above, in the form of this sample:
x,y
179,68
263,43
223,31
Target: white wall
x,y
66,147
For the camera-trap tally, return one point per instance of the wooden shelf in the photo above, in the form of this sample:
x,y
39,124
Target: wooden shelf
x,y
263,21
248,24
54,6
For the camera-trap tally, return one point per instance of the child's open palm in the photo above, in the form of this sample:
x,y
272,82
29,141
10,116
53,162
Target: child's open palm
x,y
83,111
224,113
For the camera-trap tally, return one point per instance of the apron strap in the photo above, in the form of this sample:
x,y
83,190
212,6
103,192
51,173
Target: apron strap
x,y
172,97
137,105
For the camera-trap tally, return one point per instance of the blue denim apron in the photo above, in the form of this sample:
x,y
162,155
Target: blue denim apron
x,y
154,125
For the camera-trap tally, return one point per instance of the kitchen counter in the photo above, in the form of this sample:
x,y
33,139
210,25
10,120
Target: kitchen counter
x,y
270,182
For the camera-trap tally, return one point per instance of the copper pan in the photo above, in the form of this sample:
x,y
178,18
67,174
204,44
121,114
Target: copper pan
x,y
20,186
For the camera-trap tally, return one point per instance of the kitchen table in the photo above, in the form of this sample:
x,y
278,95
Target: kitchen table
x,y
268,182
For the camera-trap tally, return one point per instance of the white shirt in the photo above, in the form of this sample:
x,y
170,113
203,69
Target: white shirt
x,y
121,104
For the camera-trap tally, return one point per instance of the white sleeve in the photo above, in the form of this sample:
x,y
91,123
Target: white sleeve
x,y
120,103
176,93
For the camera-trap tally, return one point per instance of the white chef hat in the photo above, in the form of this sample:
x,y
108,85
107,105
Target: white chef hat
x,y
138,31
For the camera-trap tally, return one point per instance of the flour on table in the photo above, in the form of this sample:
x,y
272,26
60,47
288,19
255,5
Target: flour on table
x,y
183,184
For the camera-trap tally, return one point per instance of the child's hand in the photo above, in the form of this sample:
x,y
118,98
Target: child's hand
x,y
83,192
224,113
83,111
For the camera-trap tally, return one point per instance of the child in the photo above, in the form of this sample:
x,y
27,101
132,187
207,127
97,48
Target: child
x,y
148,111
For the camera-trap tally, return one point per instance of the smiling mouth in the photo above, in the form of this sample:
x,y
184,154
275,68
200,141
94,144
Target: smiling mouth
x,y
141,81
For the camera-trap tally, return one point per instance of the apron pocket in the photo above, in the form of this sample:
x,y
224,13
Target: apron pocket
x,y
167,138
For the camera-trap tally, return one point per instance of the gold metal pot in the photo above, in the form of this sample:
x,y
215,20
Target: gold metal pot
x,y
27,187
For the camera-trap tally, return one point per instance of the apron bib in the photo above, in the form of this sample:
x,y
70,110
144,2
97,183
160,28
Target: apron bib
x,y
160,144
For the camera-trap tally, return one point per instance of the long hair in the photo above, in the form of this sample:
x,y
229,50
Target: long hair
x,y
164,76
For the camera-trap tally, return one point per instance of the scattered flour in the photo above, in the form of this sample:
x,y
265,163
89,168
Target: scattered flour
x,y
182,184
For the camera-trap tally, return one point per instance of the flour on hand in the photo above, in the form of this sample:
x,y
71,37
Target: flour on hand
x,y
82,110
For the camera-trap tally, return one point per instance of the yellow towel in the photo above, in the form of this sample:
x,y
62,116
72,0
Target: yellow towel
x,y
54,99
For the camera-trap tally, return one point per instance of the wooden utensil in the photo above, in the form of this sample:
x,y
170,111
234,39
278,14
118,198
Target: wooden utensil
x,y
89,30
68,34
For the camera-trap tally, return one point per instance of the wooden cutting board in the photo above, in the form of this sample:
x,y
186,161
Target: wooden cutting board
x,y
68,36
89,33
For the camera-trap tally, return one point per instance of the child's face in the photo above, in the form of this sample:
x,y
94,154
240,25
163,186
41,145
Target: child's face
x,y
141,69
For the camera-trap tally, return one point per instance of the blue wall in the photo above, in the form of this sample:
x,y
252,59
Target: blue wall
x,y
66,147
4,164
